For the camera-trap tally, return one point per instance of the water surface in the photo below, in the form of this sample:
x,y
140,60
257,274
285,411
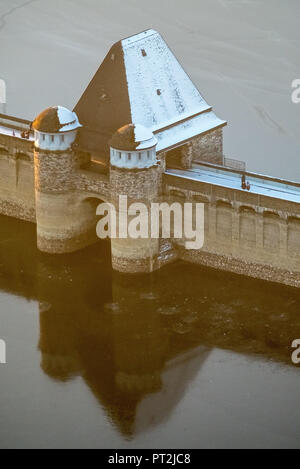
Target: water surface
x,y
242,55
185,357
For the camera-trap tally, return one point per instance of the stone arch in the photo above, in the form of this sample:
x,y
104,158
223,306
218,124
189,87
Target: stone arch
x,y
177,194
3,150
91,202
294,235
86,209
246,209
224,220
200,198
223,203
271,231
22,156
247,226
92,198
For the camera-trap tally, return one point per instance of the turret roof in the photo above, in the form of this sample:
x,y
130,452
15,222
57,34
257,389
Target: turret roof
x,y
133,137
56,119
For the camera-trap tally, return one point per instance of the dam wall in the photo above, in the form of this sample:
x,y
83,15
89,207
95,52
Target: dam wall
x,y
253,232
17,196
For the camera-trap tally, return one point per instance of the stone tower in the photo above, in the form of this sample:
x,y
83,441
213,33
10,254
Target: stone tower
x,y
136,174
55,163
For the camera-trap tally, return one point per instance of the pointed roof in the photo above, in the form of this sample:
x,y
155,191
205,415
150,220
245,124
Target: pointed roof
x,y
140,80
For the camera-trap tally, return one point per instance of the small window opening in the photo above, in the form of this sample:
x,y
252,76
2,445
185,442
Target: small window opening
x,y
158,91
120,155
144,53
52,138
129,156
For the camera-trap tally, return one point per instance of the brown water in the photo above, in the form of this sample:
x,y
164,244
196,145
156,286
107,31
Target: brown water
x,y
186,357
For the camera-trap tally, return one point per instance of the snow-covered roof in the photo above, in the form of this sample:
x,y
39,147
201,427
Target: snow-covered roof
x,y
187,129
140,80
133,137
56,119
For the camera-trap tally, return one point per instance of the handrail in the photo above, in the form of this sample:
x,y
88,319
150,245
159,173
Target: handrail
x,y
248,173
14,119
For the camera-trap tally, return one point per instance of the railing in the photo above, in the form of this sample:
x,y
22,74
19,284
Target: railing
x,y
234,164
261,177
13,122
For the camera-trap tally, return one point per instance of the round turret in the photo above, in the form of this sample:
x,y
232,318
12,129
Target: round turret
x,y
55,129
133,146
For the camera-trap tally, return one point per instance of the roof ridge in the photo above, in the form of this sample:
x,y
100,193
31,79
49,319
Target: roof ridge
x,y
142,34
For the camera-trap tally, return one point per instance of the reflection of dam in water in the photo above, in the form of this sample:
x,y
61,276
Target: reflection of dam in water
x,y
139,342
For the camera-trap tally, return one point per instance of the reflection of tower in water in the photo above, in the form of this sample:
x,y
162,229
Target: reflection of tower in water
x,y
140,350
120,351
59,358
138,341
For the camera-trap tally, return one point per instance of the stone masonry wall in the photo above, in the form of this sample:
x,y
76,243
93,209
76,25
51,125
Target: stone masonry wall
x,y
55,172
243,233
17,198
209,147
136,184
135,255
